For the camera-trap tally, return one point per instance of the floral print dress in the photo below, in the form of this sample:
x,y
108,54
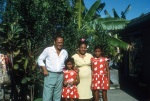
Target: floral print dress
x,y
70,91
99,77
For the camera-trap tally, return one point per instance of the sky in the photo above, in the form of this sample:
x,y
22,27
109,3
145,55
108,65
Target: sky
x,y
137,7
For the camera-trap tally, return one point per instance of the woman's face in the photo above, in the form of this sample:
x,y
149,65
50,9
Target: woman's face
x,y
82,49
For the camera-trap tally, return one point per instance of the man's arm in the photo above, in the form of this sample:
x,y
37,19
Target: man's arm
x,y
41,63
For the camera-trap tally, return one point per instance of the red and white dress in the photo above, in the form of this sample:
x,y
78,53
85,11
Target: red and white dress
x,y
70,91
99,78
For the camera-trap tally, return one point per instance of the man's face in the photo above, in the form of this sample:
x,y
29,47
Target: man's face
x,y
59,43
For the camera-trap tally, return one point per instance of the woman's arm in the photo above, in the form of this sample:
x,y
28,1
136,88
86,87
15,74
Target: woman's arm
x,y
91,72
77,81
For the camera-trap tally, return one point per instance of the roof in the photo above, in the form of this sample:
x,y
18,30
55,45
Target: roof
x,y
140,19
138,25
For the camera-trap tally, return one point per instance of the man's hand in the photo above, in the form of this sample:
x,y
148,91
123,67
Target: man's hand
x,y
45,72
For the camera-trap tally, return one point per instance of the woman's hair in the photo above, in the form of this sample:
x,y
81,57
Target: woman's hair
x,y
82,41
69,59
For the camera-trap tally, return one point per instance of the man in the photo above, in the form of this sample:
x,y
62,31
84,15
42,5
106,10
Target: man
x,y
54,58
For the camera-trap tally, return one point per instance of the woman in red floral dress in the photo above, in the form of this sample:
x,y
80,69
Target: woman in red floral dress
x,y
100,74
71,79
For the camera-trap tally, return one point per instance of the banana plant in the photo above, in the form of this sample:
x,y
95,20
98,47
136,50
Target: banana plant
x,y
95,29
86,23
123,13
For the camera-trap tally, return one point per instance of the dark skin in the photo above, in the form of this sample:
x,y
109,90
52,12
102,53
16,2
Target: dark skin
x,y
58,44
76,82
98,54
82,50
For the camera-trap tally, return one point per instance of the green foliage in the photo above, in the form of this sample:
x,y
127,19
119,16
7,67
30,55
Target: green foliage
x,y
90,13
27,28
38,99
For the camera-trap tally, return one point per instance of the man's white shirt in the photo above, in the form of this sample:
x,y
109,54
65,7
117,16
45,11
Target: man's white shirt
x,y
53,62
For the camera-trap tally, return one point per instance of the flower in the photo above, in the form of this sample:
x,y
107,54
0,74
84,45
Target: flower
x,y
82,39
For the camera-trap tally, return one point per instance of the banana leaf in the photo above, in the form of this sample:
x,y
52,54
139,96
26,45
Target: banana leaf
x,y
107,14
115,13
111,23
117,42
91,11
79,9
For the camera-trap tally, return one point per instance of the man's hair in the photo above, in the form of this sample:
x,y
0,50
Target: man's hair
x,y
58,35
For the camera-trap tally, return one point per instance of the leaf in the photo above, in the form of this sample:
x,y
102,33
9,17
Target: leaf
x,y
79,8
115,13
118,43
28,79
125,12
16,36
25,64
101,7
16,52
19,60
34,65
16,66
91,11
111,23
24,81
1,29
38,99
29,44
15,29
45,4
107,14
